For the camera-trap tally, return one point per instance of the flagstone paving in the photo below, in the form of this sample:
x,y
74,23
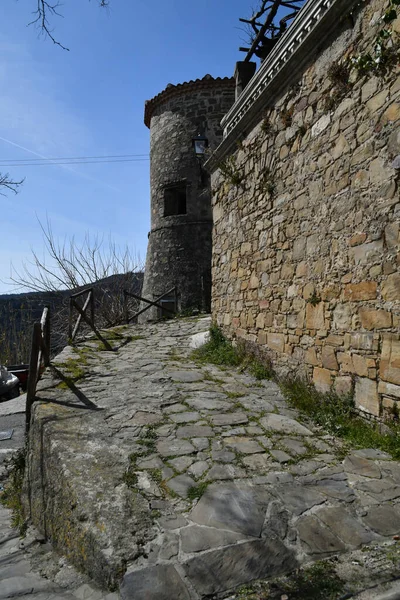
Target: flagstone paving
x,y
193,479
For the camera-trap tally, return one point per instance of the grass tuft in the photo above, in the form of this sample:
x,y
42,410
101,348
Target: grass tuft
x,y
11,496
220,351
196,491
336,415
320,580
259,370
314,582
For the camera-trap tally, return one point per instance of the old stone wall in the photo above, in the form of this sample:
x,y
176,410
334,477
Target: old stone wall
x,y
306,258
179,249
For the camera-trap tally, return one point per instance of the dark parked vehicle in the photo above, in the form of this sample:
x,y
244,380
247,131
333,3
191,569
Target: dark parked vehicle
x,y
9,384
20,371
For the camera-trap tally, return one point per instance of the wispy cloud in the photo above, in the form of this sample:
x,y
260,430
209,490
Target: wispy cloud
x,y
33,116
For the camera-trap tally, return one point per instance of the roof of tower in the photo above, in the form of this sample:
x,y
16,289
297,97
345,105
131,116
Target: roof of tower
x,y
174,90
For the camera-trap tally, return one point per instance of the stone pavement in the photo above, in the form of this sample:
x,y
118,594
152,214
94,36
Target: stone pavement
x,y
189,480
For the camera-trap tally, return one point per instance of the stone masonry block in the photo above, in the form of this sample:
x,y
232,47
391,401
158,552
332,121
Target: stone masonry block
x,y
315,316
355,292
390,360
375,319
329,358
366,395
322,379
389,389
391,288
276,341
343,385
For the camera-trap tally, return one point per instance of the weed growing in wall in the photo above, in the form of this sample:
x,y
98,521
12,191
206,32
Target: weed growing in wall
x,y
266,125
286,116
302,130
314,299
339,74
267,182
385,54
230,171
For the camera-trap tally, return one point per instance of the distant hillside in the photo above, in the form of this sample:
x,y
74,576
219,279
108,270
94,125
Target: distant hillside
x,y
19,311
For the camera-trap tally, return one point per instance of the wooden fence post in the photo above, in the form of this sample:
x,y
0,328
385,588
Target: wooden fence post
x,y
71,308
33,372
45,334
126,307
92,305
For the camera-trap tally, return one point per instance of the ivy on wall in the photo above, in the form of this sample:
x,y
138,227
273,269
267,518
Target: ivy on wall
x,y
385,53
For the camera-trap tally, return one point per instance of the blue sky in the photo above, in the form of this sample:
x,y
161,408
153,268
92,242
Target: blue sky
x,y
89,102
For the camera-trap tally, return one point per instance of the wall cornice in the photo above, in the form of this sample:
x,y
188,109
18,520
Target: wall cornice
x,y
313,24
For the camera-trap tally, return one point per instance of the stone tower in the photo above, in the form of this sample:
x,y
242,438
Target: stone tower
x,y
179,247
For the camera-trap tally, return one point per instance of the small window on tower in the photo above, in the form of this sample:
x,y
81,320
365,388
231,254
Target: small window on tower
x,y
175,200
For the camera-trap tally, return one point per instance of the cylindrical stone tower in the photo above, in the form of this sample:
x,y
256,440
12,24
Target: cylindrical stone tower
x,y
179,248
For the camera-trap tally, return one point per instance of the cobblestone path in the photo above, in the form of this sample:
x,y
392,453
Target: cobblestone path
x,y
197,479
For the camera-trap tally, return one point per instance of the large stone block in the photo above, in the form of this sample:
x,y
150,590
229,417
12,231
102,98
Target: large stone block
x,y
328,356
361,341
390,360
322,379
366,395
392,231
219,570
355,292
276,341
342,317
343,385
321,125
299,248
375,319
365,253
391,288
360,365
390,389
311,357
160,582
377,101
315,316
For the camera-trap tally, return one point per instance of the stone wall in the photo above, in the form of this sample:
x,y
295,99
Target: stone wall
x,y
306,258
179,249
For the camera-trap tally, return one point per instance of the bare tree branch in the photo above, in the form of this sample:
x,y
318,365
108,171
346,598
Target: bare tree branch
x,y
263,30
9,184
46,10
69,265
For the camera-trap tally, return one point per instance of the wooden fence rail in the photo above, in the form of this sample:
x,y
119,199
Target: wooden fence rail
x,y
40,356
73,304
82,315
40,349
151,303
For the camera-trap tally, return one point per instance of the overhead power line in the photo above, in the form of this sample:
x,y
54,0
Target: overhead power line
x,y
17,160
73,162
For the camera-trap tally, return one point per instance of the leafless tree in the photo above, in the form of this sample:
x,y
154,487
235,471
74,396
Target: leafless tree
x,y
45,10
71,266
8,184
68,264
